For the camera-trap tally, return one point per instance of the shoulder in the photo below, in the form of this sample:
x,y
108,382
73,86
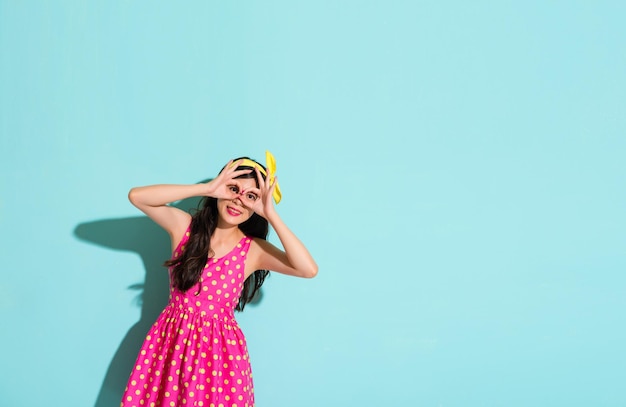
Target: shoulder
x,y
254,247
263,255
257,251
259,246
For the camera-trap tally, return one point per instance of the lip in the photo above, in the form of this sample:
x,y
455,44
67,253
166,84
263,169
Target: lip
x,y
232,211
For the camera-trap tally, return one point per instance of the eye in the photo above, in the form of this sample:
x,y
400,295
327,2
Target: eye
x,y
252,197
233,188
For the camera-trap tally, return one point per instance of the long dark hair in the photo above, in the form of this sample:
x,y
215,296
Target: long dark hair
x,y
187,268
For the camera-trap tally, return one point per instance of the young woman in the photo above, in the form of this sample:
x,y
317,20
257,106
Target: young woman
x,y
195,354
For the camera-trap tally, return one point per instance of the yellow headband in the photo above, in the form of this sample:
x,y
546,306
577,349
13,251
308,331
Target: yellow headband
x,y
271,167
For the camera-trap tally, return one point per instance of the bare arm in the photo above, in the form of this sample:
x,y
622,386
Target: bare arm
x,y
295,260
153,200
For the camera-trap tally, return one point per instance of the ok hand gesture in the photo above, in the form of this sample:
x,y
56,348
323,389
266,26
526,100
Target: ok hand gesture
x,y
220,186
263,206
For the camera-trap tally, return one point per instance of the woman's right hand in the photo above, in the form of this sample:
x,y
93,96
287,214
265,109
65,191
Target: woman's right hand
x,y
220,187
153,199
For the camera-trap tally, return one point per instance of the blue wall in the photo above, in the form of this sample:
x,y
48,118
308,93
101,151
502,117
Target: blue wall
x,y
457,169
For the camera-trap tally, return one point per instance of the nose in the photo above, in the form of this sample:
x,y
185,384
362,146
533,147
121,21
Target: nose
x,y
238,200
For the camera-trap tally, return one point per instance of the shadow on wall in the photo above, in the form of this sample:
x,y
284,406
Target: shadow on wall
x,y
142,236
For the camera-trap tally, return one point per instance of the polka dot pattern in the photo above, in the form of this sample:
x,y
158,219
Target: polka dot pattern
x,y
195,353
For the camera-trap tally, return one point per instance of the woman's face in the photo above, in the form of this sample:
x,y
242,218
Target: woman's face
x,y
236,211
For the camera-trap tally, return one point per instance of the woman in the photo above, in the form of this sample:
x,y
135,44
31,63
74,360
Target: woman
x,y
195,354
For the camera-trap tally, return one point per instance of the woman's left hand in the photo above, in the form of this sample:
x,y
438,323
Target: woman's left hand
x,y
264,205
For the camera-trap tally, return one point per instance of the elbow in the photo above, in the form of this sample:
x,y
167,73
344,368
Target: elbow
x,y
312,272
132,196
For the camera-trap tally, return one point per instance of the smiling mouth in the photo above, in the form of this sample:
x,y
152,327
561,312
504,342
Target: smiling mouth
x,y
232,211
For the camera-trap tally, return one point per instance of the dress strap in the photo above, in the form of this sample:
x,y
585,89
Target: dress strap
x,y
245,243
181,245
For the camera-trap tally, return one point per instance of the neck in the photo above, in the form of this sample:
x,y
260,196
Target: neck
x,y
226,233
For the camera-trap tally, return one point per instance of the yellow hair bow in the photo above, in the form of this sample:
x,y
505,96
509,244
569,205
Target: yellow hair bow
x,y
270,162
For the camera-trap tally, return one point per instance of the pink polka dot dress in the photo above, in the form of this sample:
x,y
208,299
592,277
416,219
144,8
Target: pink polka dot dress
x,y
195,353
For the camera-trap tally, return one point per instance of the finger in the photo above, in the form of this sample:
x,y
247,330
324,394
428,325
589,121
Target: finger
x,y
273,186
237,173
233,165
268,179
234,174
226,167
249,206
259,177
